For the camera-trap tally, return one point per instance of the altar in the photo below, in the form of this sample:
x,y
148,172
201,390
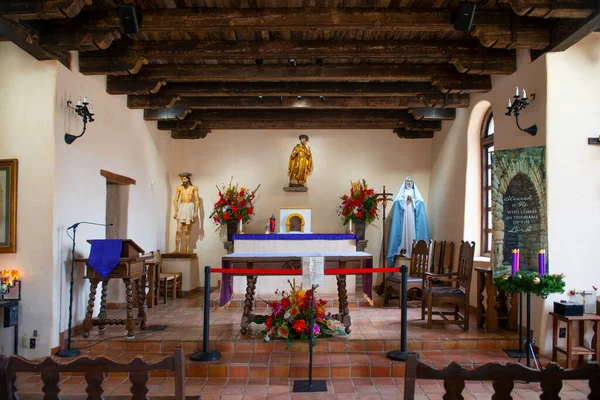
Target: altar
x,y
286,243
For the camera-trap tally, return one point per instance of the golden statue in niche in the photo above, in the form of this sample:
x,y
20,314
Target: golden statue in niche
x,y
301,163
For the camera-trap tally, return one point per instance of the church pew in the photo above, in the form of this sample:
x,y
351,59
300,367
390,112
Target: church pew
x,y
503,377
96,370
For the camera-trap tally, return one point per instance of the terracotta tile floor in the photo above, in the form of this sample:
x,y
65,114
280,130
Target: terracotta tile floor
x,y
354,366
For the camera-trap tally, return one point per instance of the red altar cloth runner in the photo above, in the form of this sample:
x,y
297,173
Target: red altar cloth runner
x,y
277,262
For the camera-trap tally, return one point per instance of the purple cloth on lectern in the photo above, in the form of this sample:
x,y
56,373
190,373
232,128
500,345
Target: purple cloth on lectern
x,y
227,279
105,255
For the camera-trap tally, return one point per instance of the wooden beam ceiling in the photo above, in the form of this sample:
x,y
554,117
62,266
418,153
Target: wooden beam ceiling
x,y
196,69
322,102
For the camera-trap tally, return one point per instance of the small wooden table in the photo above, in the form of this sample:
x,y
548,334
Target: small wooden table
x,y
579,349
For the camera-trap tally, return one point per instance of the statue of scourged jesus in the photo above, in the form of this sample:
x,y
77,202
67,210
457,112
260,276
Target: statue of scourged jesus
x,y
301,163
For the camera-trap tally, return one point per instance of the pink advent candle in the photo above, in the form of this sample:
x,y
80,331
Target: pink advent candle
x,y
518,260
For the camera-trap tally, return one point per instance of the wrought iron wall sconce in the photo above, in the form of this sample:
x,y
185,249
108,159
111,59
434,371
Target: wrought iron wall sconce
x,y
519,104
87,115
594,140
8,280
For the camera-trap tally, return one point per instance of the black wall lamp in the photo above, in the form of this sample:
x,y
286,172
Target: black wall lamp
x,y
519,104
86,114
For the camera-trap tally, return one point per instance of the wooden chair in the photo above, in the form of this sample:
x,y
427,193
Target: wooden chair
x,y
503,377
457,293
442,256
419,264
95,370
169,282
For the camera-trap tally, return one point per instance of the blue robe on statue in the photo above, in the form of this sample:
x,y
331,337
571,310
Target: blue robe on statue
x,y
409,220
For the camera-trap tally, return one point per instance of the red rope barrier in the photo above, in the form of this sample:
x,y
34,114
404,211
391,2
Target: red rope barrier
x,y
333,271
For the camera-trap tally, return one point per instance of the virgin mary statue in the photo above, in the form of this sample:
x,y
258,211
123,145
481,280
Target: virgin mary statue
x,y
409,220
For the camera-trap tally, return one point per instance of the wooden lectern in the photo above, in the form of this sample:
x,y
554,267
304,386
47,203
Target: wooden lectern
x,y
131,269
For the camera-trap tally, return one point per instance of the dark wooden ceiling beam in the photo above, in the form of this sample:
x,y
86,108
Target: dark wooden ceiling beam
x,y
495,26
85,40
406,134
284,73
429,114
198,133
552,8
27,40
257,119
197,103
570,32
467,56
299,19
41,9
292,124
132,85
463,83
167,114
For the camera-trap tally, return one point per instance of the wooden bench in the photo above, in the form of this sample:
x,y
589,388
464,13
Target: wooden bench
x,y
95,370
503,377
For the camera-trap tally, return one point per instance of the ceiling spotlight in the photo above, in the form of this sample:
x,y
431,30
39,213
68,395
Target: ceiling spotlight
x,y
322,98
260,97
259,61
280,98
319,62
299,97
292,62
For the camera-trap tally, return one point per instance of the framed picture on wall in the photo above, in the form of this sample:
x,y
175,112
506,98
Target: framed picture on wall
x,y
8,205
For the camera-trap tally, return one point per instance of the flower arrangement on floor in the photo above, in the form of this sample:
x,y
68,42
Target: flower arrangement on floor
x,y
234,204
290,318
532,282
361,203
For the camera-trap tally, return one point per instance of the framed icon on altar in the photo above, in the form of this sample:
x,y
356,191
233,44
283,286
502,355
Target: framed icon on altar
x,y
295,220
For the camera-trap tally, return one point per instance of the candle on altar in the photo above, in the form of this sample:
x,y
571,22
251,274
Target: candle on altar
x,y
518,260
514,262
542,262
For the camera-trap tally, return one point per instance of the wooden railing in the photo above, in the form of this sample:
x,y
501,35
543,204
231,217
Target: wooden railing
x,y
503,377
95,370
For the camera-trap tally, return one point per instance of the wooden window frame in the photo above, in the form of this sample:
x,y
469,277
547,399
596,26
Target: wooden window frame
x,y
485,144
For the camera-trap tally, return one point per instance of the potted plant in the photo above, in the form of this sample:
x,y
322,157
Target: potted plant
x,y
359,207
233,208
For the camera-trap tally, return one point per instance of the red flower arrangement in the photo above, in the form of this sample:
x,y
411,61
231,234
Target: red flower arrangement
x,y
361,203
234,204
290,318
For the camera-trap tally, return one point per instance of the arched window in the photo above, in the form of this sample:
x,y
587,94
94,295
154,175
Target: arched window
x,y
487,151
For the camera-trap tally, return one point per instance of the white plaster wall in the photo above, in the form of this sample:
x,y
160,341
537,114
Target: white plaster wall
x,y
26,133
119,141
455,190
573,169
261,157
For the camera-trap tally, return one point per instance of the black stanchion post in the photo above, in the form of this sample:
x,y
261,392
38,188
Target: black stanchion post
x,y
205,354
517,353
402,354
310,385
529,342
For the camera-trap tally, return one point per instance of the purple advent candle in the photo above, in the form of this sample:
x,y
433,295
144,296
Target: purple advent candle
x,y
542,262
514,261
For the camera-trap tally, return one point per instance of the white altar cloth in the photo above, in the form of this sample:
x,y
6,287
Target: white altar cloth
x,y
293,243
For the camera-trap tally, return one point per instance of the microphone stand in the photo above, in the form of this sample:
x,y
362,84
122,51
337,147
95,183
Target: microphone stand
x,y
69,352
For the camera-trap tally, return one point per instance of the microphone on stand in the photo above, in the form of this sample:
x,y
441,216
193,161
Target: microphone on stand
x,y
68,351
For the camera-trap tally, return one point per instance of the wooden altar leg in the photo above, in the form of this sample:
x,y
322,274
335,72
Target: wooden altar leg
x,y
102,314
88,323
130,322
344,315
248,303
141,295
